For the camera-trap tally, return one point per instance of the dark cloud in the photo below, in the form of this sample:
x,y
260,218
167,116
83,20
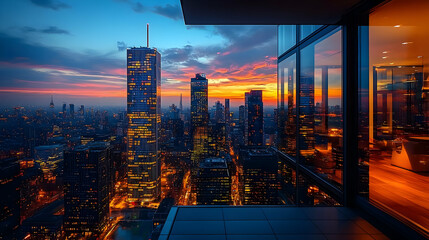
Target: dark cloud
x,y
246,47
52,4
135,6
177,55
200,27
17,51
170,11
122,46
49,30
138,7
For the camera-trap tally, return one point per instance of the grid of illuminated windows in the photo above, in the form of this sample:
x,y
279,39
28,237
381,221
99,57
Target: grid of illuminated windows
x,y
143,109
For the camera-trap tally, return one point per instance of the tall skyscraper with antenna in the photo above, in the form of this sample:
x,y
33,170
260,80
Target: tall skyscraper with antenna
x,y
181,106
51,105
144,118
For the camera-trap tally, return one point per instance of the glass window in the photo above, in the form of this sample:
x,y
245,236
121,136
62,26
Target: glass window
x,y
397,123
286,38
307,30
287,105
287,183
310,194
321,111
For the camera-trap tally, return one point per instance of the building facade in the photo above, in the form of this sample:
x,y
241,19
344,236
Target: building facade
x,y
260,176
213,182
199,118
86,189
144,118
254,118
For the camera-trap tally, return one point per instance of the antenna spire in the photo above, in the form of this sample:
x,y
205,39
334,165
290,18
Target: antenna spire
x,y
181,107
147,34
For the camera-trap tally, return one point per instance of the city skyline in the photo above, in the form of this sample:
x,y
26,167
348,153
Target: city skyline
x,y
48,56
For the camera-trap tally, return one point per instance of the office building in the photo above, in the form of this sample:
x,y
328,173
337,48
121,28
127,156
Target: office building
x,y
71,106
82,110
213,182
50,159
254,118
9,202
260,182
199,118
144,118
228,120
86,189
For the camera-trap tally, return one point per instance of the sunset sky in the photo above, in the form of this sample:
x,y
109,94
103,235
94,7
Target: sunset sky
x,y
76,51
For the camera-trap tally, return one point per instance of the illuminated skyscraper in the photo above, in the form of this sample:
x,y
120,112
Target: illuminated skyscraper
x,y
199,117
260,183
254,127
86,189
213,182
144,118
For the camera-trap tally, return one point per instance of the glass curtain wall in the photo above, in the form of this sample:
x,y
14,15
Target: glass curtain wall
x,y
321,112
310,84
394,111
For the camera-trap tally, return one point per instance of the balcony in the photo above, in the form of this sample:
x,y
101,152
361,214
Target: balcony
x,y
267,222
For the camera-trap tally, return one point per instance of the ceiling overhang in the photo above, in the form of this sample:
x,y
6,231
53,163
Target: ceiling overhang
x,y
265,12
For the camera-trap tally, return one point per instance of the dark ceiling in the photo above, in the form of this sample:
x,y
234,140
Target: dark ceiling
x,y
266,12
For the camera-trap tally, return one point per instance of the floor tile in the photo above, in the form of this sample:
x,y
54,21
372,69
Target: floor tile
x,y
338,227
325,213
198,227
379,237
194,213
243,214
301,237
368,227
350,213
197,237
284,213
294,227
248,227
250,237
349,237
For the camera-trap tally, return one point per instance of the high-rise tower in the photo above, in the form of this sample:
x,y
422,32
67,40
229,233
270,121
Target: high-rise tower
x,y
255,118
199,118
51,105
144,117
71,109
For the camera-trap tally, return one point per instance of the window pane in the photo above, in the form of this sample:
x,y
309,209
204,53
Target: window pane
x,y
287,106
321,112
310,194
286,35
397,124
308,29
287,183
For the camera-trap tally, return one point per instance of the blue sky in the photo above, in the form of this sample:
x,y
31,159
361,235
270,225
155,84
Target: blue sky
x,y
75,50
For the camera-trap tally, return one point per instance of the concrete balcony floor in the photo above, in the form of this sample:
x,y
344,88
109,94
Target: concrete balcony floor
x,y
266,222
